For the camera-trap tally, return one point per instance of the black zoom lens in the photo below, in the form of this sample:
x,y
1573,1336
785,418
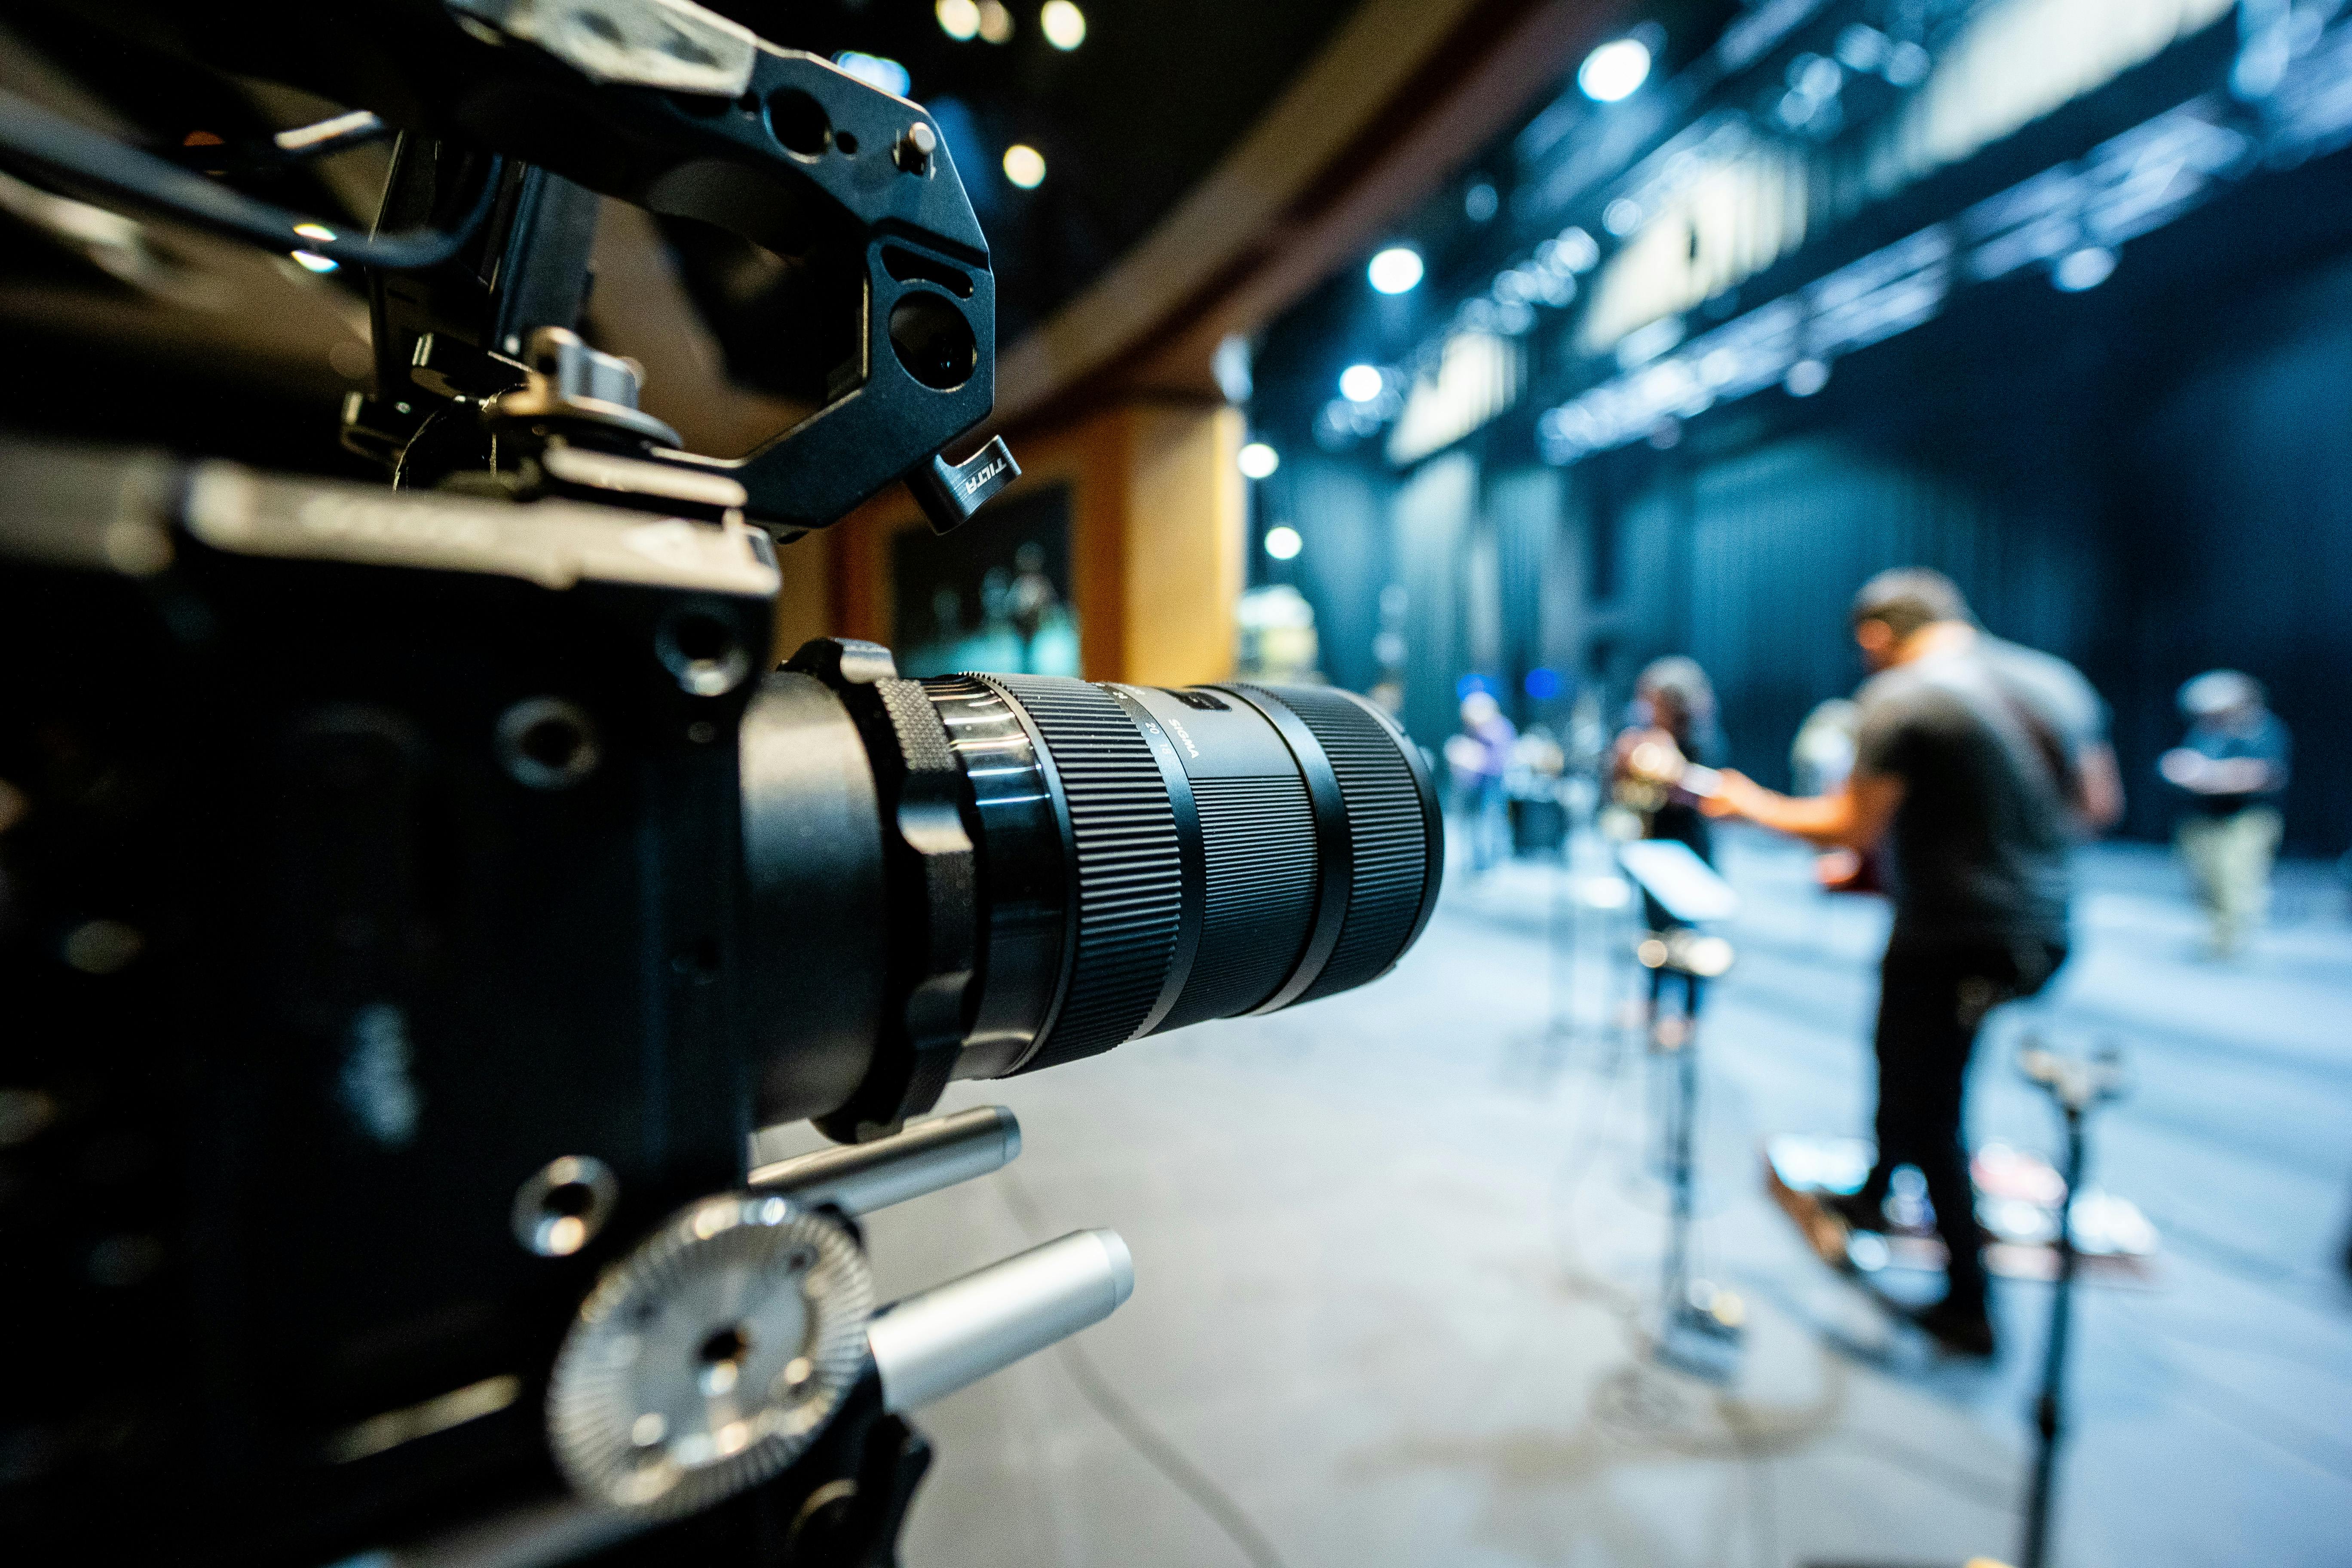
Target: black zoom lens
x,y
983,875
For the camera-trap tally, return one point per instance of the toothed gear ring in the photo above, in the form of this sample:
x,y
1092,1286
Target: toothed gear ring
x,y
710,1359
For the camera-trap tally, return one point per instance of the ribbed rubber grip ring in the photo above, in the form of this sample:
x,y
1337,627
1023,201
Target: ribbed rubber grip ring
x,y
1127,866
1258,835
1392,829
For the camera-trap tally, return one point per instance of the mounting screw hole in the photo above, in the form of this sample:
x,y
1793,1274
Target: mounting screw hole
x,y
703,652
571,1200
799,122
732,1342
933,341
560,1206
546,742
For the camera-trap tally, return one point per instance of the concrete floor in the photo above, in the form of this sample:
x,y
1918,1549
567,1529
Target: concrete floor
x,y
1395,1251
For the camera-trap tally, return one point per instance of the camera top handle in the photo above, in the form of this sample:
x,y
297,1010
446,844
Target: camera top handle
x,y
685,113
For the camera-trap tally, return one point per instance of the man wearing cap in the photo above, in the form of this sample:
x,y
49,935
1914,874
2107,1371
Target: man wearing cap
x,y
2233,767
1978,762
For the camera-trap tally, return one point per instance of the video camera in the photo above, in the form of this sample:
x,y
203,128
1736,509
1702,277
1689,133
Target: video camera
x,y
414,900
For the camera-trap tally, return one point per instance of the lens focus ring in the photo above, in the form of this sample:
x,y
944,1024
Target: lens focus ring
x,y
1392,830
1127,872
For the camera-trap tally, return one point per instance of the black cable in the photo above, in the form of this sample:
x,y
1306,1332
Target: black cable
x,y
1163,1456
56,144
1156,1450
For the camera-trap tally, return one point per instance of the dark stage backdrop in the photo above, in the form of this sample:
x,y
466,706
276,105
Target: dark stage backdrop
x,y
2231,537
2150,480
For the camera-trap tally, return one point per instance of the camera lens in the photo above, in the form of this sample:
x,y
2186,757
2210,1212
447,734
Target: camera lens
x,y
1132,859
1222,851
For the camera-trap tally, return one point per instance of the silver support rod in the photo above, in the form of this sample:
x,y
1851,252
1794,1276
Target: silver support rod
x,y
959,1332
858,1178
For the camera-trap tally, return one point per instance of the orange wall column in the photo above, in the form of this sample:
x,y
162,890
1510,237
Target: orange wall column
x,y
1156,517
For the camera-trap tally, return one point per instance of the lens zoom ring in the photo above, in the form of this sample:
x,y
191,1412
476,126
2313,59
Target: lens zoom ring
x,y
1259,834
1388,825
1129,869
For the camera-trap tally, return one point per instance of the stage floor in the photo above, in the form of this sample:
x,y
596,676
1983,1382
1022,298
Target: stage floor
x,y
1392,1252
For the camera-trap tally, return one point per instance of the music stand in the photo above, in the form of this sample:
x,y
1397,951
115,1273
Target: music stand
x,y
1699,1321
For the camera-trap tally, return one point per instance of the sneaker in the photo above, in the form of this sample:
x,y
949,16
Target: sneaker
x,y
1961,1330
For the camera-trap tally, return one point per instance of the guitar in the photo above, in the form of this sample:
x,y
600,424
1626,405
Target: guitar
x,y
1656,759
1659,760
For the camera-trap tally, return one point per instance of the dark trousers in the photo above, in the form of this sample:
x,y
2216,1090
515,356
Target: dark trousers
x,y
1931,1002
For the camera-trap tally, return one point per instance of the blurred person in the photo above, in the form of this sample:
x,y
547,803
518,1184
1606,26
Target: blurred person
x,y
1673,701
1479,757
1820,759
1822,755
1539,757
2233,767
1030,600
1278,640
1538,803
1979,760
2076,717
1587,731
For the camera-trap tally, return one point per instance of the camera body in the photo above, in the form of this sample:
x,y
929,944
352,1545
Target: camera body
x,y
373,884
388,857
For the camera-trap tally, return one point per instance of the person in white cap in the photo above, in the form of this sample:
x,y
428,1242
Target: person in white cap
x,y
2233,767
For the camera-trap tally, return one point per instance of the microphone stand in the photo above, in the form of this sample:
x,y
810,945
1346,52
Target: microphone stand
x,y
2075,1086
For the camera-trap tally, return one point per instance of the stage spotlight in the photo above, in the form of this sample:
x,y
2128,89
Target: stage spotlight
x,y
2085,268
959,19
1806,378
1258,460
1396,270
1282,543
1064,25
1361,383
1615,71
1024,165
995,22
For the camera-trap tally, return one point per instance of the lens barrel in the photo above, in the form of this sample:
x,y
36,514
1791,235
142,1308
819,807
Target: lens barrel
x,y
1131,860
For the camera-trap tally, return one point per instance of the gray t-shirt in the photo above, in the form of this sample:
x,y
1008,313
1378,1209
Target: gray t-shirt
x,y
2055,689
1979,842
